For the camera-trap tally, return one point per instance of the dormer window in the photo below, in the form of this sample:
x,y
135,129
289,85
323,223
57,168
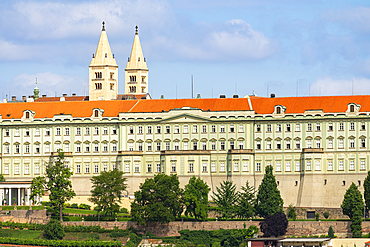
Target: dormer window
x,y
352,108
278,110
27,115
96,113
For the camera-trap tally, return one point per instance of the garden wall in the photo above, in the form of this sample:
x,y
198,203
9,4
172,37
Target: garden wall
x,y
25,216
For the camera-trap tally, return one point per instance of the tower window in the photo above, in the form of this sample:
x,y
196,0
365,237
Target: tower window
x,y
98,86
132,78
111,75
132,89
112,86
143,89
138,59
106,55
98,75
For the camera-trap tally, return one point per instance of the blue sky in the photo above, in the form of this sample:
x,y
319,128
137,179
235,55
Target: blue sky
x,y
230,47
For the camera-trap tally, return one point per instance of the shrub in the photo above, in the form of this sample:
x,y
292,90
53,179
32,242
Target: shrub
x,y
54,230
84,206
134,240
317,216
292,214
123,210
331,232
74,205
326,214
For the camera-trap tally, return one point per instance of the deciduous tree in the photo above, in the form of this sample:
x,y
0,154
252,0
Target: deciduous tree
x,y
107,189
269,201
196,198
158,200
226,199
274,225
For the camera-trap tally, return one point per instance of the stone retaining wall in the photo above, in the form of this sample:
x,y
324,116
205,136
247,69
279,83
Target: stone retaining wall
x,y
25,216
296,228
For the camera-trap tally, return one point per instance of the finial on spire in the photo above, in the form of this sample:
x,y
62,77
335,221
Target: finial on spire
x,y
103,29
136,33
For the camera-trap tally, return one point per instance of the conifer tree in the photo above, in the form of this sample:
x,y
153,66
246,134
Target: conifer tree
x,y
247,201
226,199
269,201
367,189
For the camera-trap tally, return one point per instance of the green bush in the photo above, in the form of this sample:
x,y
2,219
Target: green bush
x,y
331,232
123,210
326,214
84,206
54,230
292,214
317,216
41,242
134,240
74,205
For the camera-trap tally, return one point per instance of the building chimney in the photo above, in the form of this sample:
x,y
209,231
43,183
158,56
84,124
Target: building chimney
x,y
222,96
272,95
14,98
44,95
235,96
64,95
24,98
74,94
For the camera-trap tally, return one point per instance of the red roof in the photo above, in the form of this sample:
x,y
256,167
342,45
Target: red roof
x,y
70,98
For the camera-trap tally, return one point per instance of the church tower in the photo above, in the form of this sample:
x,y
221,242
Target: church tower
x,y
103,71
136,72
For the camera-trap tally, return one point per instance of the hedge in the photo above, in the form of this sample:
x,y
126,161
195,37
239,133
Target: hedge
x,y
60,243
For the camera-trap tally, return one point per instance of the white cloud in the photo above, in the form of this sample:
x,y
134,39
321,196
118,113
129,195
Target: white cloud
x,y
49,84
330,86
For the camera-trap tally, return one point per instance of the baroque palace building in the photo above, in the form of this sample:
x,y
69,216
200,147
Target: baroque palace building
x,y
318,146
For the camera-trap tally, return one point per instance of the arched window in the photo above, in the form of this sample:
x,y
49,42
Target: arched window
x,y
27,115
278,110
96,113
352,108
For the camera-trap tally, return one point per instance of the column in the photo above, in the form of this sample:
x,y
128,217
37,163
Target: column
x,y
2,193
19,197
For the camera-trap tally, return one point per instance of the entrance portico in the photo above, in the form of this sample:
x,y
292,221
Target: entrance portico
x,y
17,193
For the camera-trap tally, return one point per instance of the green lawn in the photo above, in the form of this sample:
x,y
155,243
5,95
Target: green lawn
x,y
78,211
20,233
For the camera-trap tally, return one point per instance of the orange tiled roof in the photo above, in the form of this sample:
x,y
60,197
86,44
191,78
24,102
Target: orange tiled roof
x,y
333,104
70,98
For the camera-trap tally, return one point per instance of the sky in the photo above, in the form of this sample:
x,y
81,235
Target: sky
x,y
244,47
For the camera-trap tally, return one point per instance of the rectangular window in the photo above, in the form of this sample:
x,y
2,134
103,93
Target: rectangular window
x,y
177,145
173,167
269,128
127,168
363,126
37,169
137,167
341,143
37,148
140,146
298,144
204,128
330,127
204,167
149,166
7,132
177,129
140,129
191,167
258,128
130,147
288,128
352,126
105,147
105,167
7,149
241,144
6,169
27,132
308,166
309,127
213,145
222,147
287,144
258,166
47,132
258,145
341,126
297,127
87,131
268,145
287,166
195,129
341,166
167,146
351,165
149,129
232,146
96,168
330,143
204,146
278,166
232,129
318,127
222,167
362,164
87,168
309,143
213,128
158,167
330,165
317,165
78,148
27,169
278,127
17,148
57,146
131,130
158,146
158,129
241,128
195,146
351,143
185,145
27,149
186,130
47,148
236,166
67,131
149,146
87,147
96,148
278,144
297,166
114,147
58,132
16,132
222,128
78,131
96,132
105,131
318,144
114,166
245,166
168,130
363,143
213,167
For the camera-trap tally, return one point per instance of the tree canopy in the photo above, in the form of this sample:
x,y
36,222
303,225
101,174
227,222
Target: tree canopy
x,y
226,198
367,189
158,200
107,189
57,182
269,201
196,198
274,225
